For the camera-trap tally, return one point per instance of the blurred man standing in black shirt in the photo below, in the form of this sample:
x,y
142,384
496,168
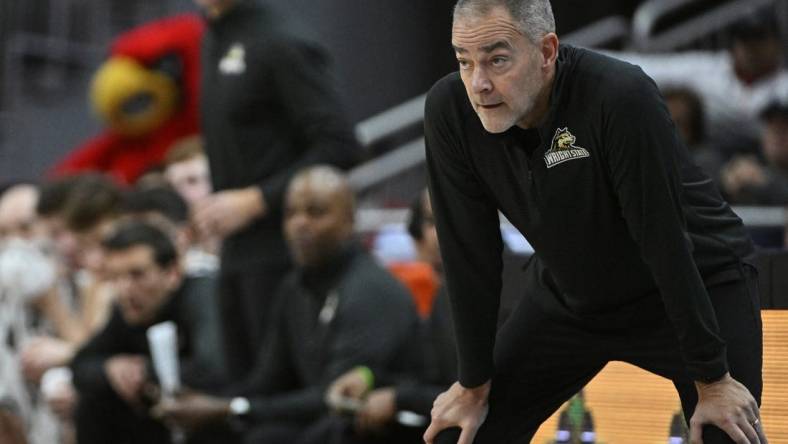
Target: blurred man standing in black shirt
x,y
638,258
268,109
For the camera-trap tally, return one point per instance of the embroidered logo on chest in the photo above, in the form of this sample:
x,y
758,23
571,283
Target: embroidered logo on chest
x,y
563,149
234,62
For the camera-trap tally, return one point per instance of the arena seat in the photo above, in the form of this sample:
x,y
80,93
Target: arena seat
x,y
630,405
421,280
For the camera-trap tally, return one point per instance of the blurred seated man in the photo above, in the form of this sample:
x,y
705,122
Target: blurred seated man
x,y
687,111
77,212
422,275
735,85
186,169
18,212
377,416
164,206
746,181
25,273
337,310
112,371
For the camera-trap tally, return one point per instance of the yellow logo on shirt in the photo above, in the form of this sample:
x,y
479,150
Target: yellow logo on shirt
x,y
563,148
234,62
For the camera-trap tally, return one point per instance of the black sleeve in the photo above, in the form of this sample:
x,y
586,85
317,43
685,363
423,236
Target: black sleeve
x,y
88,364
374,320
642,152
375,329
299,405
204,367
312,107
273,371
418,398
273,390
469,235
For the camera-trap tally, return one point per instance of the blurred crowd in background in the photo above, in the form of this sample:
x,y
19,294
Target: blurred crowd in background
x,y
219,199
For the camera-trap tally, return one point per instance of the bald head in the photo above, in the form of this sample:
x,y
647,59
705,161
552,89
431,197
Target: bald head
x,y
326,181
18,211
318,220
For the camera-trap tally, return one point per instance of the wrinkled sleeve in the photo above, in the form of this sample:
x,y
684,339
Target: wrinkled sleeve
x,y
642,152
88,364
469,235
312,106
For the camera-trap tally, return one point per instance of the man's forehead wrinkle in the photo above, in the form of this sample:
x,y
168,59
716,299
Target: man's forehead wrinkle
x,y
496,45
486,34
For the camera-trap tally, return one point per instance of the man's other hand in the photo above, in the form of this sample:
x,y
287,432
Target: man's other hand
x,y
378,410
226,212
191,410
127,375
350,386
461,407
728,405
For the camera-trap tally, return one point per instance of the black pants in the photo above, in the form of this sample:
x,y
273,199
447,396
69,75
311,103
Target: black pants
x,y
542,359
330,429
105,418
246,302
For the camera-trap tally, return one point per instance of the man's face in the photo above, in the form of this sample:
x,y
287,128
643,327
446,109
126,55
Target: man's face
x,y
756,59
18,213
141,285
64,241
90,253
503,72
316,224
190,178
680,113
775,141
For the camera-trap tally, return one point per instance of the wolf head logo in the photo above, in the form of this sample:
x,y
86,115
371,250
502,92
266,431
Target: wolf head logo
x,y
564,140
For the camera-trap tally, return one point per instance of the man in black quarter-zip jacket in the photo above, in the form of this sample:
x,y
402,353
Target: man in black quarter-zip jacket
x,y
638,258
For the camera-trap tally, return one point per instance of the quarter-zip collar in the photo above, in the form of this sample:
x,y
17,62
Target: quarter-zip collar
x,y
515,136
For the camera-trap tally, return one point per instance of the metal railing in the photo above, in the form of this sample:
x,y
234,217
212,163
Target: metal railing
x,y
647,17
600,33
372,219
389,122
387,166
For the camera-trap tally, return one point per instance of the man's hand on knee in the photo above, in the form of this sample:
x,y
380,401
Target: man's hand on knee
x,y
727,404
461,407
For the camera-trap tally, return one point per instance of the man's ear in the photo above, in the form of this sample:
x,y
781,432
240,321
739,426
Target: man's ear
x,y
174,275
549,50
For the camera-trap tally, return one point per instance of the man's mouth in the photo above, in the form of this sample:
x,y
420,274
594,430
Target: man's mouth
x,y
491,106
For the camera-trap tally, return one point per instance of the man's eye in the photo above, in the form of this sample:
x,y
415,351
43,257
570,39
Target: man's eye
x,y
498,61
463,64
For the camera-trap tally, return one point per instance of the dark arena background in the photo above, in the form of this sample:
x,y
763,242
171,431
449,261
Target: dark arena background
x,y
722,66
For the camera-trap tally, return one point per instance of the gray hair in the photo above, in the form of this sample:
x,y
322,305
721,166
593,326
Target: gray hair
x,y
535,17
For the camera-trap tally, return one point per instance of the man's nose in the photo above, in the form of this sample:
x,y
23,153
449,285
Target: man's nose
x,y
298,222
480,82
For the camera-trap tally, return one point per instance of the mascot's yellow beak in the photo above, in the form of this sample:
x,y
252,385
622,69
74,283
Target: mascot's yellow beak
x,y
131,98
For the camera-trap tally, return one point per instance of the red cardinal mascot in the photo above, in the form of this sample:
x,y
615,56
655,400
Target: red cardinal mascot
x,y
147,94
